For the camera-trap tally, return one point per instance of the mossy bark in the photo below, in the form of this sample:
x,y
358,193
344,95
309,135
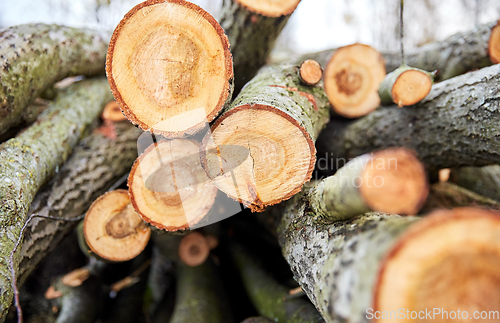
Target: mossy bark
x,y
30,159
270,298
96,163
336,265
482,180
199,296
280,87
251,36
455,125
35,56
448,195
455,55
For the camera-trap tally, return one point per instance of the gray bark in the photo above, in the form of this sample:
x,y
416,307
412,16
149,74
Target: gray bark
x,y
35,56
96,163
455,125
30,159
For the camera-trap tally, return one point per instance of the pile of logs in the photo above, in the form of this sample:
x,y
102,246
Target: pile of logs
x,y
375,189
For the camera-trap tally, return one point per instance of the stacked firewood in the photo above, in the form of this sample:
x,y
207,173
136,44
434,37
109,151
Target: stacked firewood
x,y
379,188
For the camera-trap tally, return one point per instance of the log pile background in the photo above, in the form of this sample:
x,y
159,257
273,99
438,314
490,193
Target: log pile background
x,y
120,202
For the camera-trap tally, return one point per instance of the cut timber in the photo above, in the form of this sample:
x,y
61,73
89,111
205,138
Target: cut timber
x,y
446,195
352,79
270,298
112,112
457,124
194,249
494,44
405,86
455,55
191,249
35,56
112,228
269,133
482,180
169,188
95,164
252,27
169,75
392,180
30,159
357,262
199,296
310,72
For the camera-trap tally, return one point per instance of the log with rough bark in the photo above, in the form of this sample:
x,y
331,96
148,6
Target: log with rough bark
x,y
30,159
199,295
96,164
352,78
456,125
455,55
182,74
391,180
482,180
349,269
257,319
267,136
270,298
169,188
252,28
35,56
446,195
192,249
405,86
113,230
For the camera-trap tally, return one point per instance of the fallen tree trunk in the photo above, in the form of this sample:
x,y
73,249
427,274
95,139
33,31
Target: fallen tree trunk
x,y
199,296
35,56
356,263
456,125
183,72
268,133
252,28
455,55
96,163
482,180
270,298
30,159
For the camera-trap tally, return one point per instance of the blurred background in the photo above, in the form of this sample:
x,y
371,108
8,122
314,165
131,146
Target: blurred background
x,y
315,25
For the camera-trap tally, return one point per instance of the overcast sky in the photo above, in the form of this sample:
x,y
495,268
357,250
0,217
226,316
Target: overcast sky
x,y
316,24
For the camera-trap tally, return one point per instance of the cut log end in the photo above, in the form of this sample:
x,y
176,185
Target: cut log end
x,y
310,72
275,8
394,181
494,44
76,277
265,155
112,112
411,87
170,76
169,188
113,230
352,79
433,259
194,249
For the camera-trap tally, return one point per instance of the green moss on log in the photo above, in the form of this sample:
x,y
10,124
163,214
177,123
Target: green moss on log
x,y
30,159
35,56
